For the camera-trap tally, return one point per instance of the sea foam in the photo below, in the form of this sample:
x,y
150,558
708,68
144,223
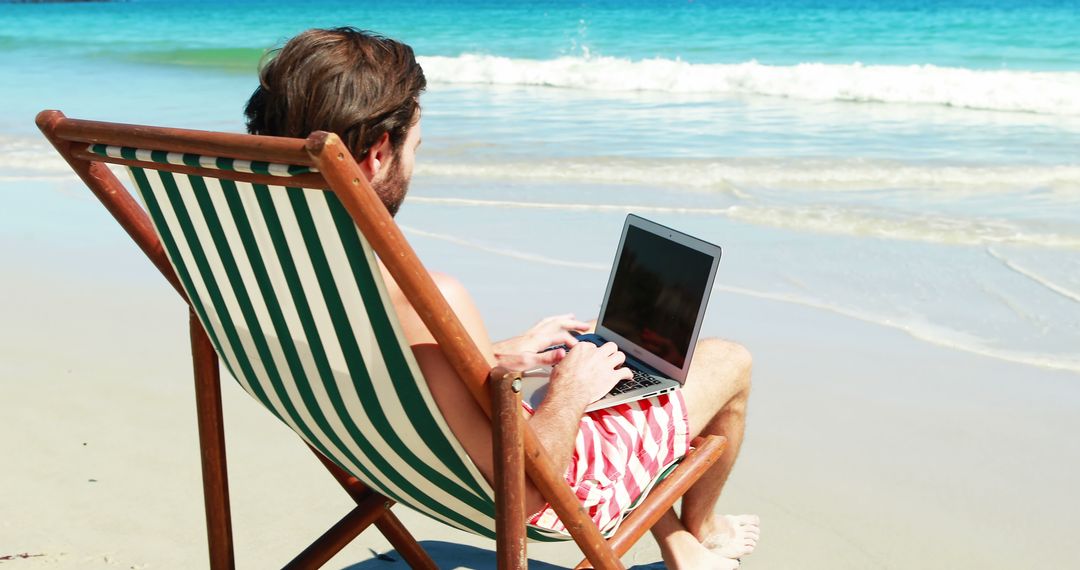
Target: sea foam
x,y
730,174
823,219
1053,93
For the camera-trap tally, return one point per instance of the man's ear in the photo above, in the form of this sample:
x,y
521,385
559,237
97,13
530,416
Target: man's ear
x,y
378,157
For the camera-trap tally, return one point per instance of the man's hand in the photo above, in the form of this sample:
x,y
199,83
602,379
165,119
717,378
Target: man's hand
x,y
523,352
587,373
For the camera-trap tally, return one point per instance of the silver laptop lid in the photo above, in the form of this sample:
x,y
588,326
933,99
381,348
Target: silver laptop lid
x,y
656,295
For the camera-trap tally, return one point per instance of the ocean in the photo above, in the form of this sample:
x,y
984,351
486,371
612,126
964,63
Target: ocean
x,y
914,164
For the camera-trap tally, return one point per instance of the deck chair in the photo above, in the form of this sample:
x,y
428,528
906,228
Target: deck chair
x,y
272,242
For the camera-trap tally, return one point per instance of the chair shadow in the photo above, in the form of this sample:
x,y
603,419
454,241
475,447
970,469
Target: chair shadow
x,y
451,555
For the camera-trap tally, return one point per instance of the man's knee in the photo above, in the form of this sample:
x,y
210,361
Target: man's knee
x,y
719,383
731,360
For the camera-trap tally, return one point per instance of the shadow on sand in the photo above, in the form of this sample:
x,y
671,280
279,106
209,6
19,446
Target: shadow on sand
x,y
450,555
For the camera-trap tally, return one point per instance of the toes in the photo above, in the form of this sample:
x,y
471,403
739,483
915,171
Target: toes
x,y
745,533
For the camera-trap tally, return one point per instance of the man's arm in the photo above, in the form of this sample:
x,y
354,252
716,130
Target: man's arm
x,y
583,376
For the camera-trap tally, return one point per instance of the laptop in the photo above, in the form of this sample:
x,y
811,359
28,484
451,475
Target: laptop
x,y
652,310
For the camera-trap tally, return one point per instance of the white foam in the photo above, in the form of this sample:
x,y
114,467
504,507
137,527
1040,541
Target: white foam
x,y
731,174
866,222
913,326
1054,93
30,158
821,219
1033,276
564,206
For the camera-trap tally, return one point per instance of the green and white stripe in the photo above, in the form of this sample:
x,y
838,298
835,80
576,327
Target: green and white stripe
x,y
200,161
294,302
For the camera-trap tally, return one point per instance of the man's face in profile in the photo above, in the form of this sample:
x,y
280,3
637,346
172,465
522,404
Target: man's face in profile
x,y
392,182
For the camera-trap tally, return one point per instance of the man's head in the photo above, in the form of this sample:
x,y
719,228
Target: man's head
x,y
361,86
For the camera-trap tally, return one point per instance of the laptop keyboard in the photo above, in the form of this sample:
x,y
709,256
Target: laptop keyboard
x,y
639,380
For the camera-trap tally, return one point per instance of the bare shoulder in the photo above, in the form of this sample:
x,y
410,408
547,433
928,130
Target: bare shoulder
x,y
444,280
463,305
452,289
460,302
448,285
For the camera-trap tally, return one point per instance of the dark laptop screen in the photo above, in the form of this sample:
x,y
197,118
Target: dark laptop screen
x,y
656,292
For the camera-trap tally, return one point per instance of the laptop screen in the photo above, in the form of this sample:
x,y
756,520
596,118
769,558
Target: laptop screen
x,y
656,293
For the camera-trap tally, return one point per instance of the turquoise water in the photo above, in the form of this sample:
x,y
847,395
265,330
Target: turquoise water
x,y
913,164
982,35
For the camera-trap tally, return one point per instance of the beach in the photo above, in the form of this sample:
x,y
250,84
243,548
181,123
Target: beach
x,y
899,218
941,459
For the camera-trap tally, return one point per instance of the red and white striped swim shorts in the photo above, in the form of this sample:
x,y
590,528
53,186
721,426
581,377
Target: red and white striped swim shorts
x,y
617,454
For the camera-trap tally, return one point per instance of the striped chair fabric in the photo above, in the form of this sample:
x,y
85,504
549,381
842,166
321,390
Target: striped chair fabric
x,y
291,296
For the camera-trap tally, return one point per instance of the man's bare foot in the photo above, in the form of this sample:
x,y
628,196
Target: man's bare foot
x,y
681,551
733,536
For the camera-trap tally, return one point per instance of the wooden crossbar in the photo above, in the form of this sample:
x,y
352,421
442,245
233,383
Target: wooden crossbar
x,y
233,145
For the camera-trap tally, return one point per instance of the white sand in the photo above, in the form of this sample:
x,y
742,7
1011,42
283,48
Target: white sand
x,y
865,448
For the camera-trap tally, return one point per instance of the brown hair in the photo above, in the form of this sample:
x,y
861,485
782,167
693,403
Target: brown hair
x,y
353,83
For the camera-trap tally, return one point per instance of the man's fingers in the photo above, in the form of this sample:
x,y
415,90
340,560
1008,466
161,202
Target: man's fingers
x,y
609,348
619,357
567,339
550,357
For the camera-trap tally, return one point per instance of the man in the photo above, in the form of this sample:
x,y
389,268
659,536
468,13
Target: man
x,y
366,89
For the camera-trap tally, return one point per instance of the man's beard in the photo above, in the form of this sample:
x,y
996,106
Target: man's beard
x,y
392,188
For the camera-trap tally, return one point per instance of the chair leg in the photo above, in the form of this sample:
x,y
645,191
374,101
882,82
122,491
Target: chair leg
x,y
342,533
404,542
388,524
353,486
509,472
212,448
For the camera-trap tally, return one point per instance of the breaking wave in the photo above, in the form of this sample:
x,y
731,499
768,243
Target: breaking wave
x,y
732,173
1052,93
30,158
824,219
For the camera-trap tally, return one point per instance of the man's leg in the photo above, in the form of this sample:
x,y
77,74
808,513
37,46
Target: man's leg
x,y
716,391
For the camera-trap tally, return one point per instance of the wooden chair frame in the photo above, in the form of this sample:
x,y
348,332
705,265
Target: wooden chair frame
x,y
495,390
